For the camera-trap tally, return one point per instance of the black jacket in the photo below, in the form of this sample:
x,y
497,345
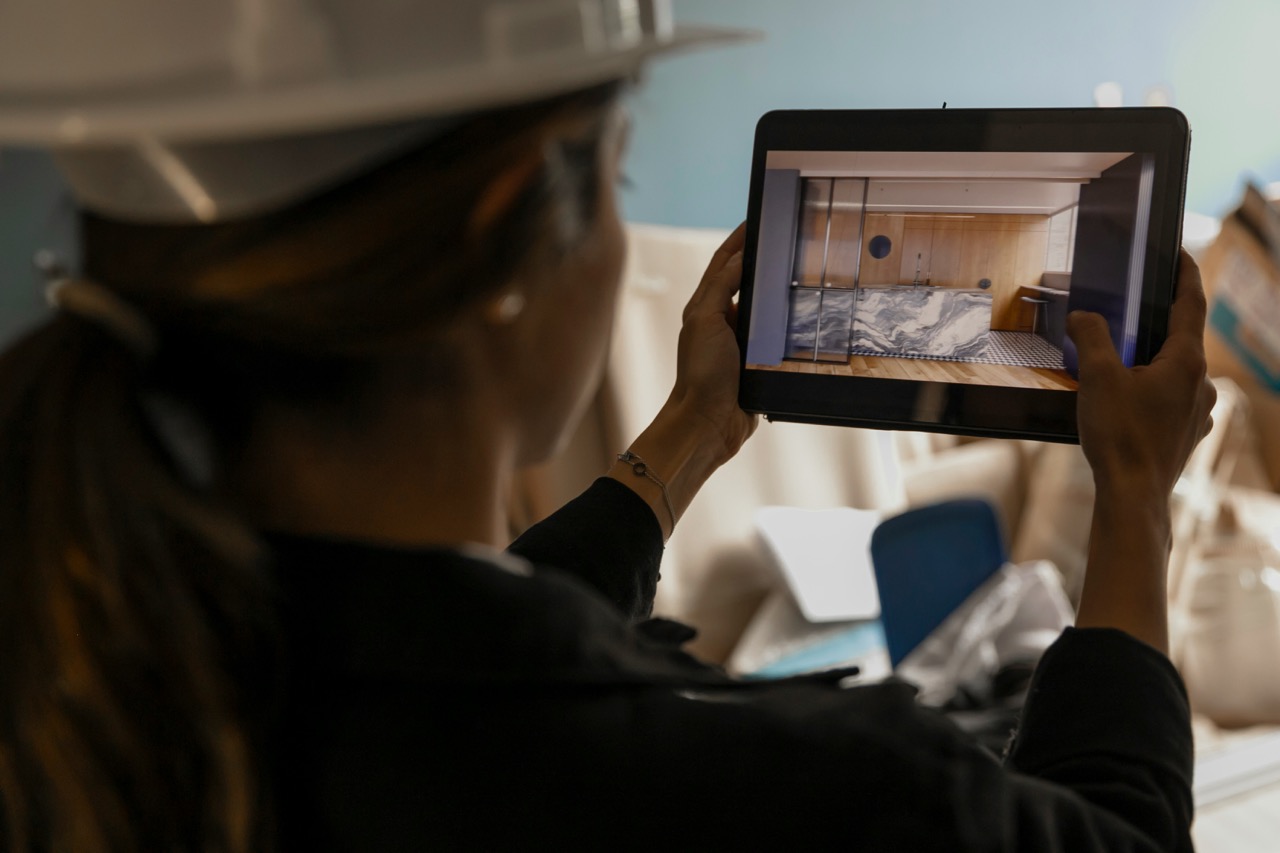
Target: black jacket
x,y
440,700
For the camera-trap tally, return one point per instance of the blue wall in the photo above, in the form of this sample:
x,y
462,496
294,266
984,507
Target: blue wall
x,y
694,117
35,213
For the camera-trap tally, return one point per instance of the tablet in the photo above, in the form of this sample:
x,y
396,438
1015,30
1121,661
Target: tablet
x,y
913,269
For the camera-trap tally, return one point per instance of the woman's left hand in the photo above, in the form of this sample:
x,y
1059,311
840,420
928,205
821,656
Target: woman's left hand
x,y
708,358
700,427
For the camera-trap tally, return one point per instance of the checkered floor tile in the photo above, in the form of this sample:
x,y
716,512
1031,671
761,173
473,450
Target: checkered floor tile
x,y
1021,349
1016,349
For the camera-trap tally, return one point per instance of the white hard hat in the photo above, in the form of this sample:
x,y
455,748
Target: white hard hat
x,y
202,110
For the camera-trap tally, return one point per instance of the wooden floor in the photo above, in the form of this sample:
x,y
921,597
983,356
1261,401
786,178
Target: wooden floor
x,y
922,370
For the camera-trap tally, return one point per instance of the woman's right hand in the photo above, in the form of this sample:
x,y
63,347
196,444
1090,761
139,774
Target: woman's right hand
x,y
1139,426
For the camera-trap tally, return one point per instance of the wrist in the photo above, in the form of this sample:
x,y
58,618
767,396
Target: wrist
x,y
681,447
1129,491
640,468
1125,584
1132,533
679,454
716,441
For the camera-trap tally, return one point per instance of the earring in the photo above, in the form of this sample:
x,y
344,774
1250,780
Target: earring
x,y
509,307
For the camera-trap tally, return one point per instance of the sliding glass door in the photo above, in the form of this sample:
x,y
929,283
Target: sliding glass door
x,y
825,276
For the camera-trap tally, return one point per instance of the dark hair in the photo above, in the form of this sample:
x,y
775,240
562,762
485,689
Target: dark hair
x,y
130,597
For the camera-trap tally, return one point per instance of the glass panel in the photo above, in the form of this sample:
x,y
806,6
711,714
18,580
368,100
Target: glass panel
x,y
1061,240
837,318
811,235
802,324
846,232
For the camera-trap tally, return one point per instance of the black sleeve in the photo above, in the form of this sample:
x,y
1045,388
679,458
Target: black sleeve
x,y
1102,763
607,537
1107,716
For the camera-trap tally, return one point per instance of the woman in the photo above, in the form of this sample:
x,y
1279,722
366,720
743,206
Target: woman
x,y
254,473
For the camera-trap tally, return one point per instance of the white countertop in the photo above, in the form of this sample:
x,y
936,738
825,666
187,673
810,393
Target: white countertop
x,y
926,288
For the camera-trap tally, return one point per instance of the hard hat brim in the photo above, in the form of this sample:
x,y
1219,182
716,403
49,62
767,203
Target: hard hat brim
x,y
332,103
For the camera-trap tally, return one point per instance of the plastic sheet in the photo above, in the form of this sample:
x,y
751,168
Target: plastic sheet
x,y
1009,620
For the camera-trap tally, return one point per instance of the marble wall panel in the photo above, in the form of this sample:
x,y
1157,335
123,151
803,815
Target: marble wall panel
x,y
802,323
918,321
832,335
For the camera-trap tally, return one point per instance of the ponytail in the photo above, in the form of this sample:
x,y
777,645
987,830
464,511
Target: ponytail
x,y
136,647
126,601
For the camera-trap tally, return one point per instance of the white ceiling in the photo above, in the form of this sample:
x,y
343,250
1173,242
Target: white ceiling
x,y
1021,182
954,196
1036,165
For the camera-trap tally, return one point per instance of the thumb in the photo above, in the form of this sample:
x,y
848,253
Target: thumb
x,y
1092,338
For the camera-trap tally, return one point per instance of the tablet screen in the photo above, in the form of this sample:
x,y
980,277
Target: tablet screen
x,y
883,280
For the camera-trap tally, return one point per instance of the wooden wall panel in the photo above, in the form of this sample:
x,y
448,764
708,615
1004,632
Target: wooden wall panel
x,y
917,244
954,251
944,263
1002,266
977,255
1033,251
1019,260
883,271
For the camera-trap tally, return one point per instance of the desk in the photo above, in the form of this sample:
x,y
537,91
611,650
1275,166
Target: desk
x,y
1055,322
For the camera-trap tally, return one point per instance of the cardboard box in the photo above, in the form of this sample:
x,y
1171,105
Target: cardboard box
x,y
1241,273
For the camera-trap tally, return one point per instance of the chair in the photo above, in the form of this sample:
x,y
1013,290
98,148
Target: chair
x,y
1036,306
927,561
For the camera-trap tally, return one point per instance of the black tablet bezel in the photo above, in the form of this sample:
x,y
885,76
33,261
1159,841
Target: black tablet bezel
x,y
978,410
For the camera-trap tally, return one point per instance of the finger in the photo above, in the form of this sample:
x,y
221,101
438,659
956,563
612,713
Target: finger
x,y
1186,316
1185,341
1208,397
1205,428
715,292
1092,338
1210,393
731,247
